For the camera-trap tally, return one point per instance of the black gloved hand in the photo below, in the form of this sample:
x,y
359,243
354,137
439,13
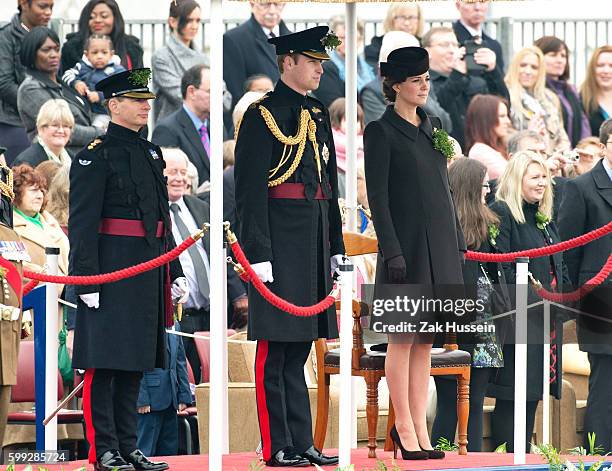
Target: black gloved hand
x,y
396,269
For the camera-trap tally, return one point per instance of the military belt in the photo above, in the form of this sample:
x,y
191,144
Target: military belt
x,y
295,191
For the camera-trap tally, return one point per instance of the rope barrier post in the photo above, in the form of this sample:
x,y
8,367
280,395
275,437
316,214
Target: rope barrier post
x,y
345,431
546,375
520,360
52,255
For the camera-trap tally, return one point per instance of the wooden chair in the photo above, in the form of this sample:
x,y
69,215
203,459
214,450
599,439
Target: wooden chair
x,y
371,366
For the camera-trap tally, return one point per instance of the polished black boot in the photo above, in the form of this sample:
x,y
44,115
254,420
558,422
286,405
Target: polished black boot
x,y
287,457
112,460
140,461
314,456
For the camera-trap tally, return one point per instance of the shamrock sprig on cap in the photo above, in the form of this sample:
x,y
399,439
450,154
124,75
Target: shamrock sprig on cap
x,y
140,78
330,41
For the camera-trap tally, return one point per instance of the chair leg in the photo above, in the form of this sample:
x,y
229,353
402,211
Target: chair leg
x,y
372,380
322,410
463,409
390,424
188,444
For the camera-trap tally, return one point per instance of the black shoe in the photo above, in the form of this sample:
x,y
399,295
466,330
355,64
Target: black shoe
x,y
314,456
140,461
434,454
287,457
406,455
112,460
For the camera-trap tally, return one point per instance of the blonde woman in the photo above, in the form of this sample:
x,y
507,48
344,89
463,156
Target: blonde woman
x,y
533,106
524,204
596,90
401,16
54,124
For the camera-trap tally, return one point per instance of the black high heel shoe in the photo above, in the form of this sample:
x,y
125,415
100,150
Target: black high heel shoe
x,y
434,454
406,455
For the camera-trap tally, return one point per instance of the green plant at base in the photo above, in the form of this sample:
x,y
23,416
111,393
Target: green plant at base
x,y
444,444
257,465
501,448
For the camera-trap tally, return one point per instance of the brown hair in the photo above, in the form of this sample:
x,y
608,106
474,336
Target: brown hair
x,y
426,41
48,169
25,176
280,59
387,87
589,90
554,44
481,118
337,111
59,188
465,178
180,10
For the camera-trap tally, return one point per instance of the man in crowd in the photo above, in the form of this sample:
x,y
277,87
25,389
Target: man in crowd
x,y
291,231
31,13
246,50
453,86
188,128
119,217
587,205
188,213
468,27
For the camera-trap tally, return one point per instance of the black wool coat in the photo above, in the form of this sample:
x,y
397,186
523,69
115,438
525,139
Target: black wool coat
x,y
587,205
120,177
297,235
515,237
246,52
410,200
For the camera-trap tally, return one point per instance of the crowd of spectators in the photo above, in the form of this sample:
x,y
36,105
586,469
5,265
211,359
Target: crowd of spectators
x,y
526,128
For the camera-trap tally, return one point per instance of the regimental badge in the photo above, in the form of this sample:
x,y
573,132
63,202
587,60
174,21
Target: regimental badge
x,y
325,153
94,143
316,110
84,162
153,154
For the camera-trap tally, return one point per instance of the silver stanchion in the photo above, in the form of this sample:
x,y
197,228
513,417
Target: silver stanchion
x,y
52,344
520,360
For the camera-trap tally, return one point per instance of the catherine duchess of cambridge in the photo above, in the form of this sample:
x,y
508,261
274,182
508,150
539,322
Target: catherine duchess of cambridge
x,y
420,241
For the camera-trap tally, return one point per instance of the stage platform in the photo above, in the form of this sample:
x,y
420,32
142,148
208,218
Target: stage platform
x,y
246,461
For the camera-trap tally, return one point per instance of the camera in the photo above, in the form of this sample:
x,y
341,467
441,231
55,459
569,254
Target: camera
x,y
471,47
571,156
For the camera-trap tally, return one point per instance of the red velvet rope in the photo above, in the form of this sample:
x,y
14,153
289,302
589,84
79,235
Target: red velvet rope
x,y
30,285
575,295
286,306
541,251
112,276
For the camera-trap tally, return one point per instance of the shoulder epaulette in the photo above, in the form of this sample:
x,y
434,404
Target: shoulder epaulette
x,y
92,145
256,103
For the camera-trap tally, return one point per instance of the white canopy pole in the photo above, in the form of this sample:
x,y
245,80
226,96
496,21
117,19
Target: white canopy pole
x,y
51,342
350,92
520,360
218,419
546,376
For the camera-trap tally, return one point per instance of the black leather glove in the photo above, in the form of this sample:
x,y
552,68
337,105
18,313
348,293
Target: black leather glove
x,y
396,269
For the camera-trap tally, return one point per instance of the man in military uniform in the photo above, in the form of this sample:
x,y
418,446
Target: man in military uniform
x,y
291,231
12,254
119,217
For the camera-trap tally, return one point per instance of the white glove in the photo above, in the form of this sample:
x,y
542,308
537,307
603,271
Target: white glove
x,y
335,261
91,299
263,271
180,289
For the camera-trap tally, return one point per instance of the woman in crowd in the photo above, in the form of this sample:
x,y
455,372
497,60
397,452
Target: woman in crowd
x,y
180,53
524,204
485,282
401,16
596,90
57,197
338,122
54,125
334,71
533,106
102,17
40,55
407,181
36,226
556,60
487,126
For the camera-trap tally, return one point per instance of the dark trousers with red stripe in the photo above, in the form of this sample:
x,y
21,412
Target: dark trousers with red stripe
x,y
109,407
283,406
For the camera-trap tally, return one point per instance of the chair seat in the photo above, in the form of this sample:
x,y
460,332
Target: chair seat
x,y
440,358
189,412
64,416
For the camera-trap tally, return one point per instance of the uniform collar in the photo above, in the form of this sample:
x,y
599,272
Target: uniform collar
x,y
285,91
116,130
407,128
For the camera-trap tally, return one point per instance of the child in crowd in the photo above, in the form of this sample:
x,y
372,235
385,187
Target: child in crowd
x,y
98,62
